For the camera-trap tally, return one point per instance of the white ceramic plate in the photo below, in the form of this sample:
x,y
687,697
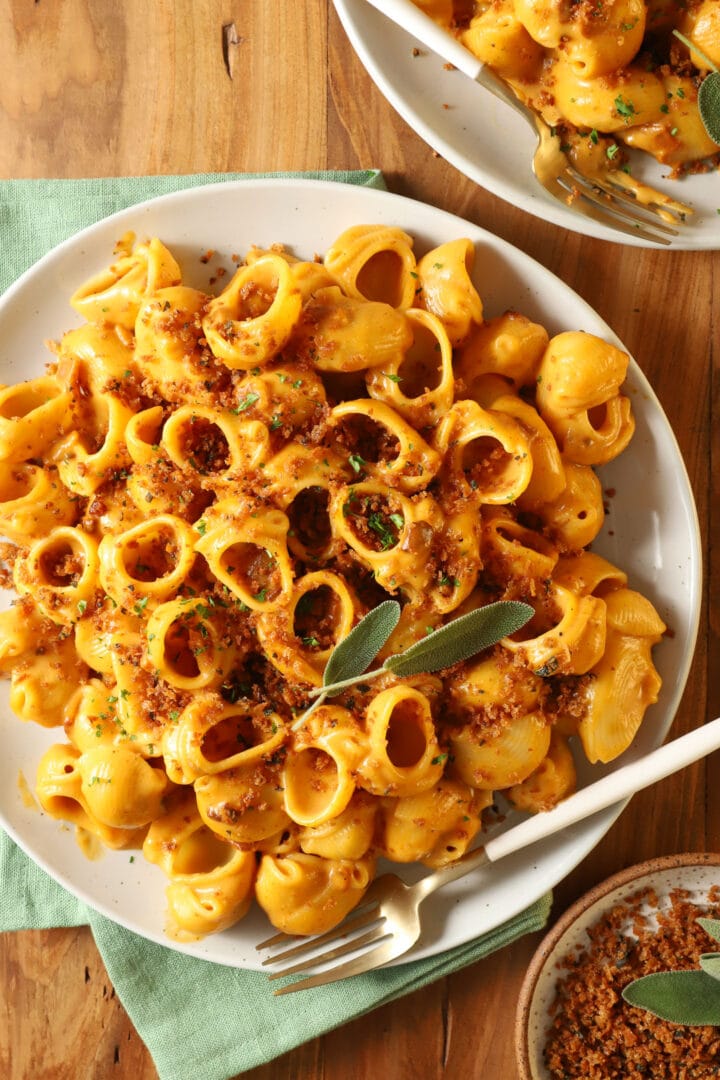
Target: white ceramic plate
x,y
652,528
490,143
697,873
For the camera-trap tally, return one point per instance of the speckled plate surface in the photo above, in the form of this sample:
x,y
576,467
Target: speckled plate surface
x,y
696,871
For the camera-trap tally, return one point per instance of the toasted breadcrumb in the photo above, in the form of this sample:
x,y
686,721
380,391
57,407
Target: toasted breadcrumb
x,y
594,1033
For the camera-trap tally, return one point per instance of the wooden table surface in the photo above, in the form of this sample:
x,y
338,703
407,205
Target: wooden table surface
x,y
107,88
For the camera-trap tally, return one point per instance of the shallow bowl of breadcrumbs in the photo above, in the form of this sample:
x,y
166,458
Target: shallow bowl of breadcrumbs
x,y
572,1022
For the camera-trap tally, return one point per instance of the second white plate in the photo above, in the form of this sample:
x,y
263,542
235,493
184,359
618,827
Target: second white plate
x,y
491,144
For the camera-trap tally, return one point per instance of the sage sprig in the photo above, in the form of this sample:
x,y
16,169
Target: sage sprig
x,y
460,639
690,997
354,654
709,92
457,640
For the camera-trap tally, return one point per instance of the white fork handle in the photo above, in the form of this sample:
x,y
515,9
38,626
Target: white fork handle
x,y
610,789
423,29
427,32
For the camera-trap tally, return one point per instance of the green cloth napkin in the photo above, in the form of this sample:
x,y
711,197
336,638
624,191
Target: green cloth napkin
x,y
197,1019
209,1022
36,215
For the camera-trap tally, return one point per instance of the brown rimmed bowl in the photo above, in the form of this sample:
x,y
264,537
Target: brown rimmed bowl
x,y
695,871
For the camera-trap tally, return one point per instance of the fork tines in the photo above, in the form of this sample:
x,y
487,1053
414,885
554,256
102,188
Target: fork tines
x,y
349,934
630,215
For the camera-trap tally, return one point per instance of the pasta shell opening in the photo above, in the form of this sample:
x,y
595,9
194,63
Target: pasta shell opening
x,y
383,277
150,557
315,788
180,647
366,439
373,520
310,530
316,618
232,735
61,563
421,370
203,445
254,569
201,853
406,734
486,463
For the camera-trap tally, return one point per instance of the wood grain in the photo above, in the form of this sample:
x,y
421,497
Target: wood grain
x,y
101,88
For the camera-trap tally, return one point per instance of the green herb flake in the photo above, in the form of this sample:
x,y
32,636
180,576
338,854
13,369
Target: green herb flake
x,y
624,108
357,462
246,403
378,523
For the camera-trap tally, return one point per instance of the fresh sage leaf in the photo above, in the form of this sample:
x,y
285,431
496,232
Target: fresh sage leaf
x,y
709,105
710,963
461,638
352,656
680,997
457,640
711,927
709,92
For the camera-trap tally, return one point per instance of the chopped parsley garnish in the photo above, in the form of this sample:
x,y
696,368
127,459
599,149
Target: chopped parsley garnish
x,y
378,523
246,403
451,582
357,462
624,108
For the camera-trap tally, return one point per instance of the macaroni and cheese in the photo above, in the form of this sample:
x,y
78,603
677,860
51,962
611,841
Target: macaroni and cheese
x,y
203,494
605,74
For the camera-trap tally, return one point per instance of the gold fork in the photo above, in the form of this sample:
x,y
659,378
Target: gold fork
x,y
387,922
614,200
